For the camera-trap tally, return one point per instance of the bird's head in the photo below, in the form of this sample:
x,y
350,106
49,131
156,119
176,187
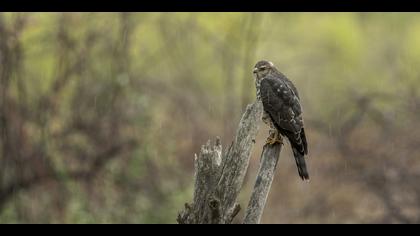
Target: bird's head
x,y
262,69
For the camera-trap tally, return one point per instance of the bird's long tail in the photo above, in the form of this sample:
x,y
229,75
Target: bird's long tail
x,y
301,164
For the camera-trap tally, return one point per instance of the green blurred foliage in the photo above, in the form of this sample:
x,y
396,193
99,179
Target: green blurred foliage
x,y
111,108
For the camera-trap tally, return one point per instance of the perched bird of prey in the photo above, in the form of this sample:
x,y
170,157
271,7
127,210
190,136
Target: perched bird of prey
x,y
282,111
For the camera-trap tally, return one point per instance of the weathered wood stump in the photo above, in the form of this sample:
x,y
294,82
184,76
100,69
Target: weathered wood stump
x,y
219,177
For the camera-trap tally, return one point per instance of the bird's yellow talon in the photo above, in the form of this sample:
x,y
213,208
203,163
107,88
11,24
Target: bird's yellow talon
x,y
274,138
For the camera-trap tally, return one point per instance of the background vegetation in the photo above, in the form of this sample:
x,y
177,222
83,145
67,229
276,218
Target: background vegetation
x,y
101,113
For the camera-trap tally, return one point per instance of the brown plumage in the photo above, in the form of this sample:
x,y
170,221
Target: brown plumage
x,y
281,104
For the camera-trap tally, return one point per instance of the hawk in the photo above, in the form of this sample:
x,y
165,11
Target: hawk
x,y
282,111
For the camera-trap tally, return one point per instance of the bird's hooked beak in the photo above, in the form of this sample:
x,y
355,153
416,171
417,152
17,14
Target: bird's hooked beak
x,y
255,70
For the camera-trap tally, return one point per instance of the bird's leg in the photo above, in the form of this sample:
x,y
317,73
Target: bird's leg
x,y
274,137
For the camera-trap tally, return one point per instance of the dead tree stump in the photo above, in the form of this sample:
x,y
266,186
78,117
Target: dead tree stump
x,y
268,163
219,177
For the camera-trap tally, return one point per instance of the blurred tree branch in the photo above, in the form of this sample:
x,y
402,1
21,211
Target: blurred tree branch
x,y
382,172
253,28
27,161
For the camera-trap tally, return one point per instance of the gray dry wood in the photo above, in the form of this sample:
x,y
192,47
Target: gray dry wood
x,y
269,159
219,177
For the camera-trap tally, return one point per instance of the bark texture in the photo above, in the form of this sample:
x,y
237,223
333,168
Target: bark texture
x,y
268,164
219,176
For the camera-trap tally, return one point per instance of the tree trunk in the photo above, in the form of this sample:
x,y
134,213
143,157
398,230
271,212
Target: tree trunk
x,y
219,177
269,159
